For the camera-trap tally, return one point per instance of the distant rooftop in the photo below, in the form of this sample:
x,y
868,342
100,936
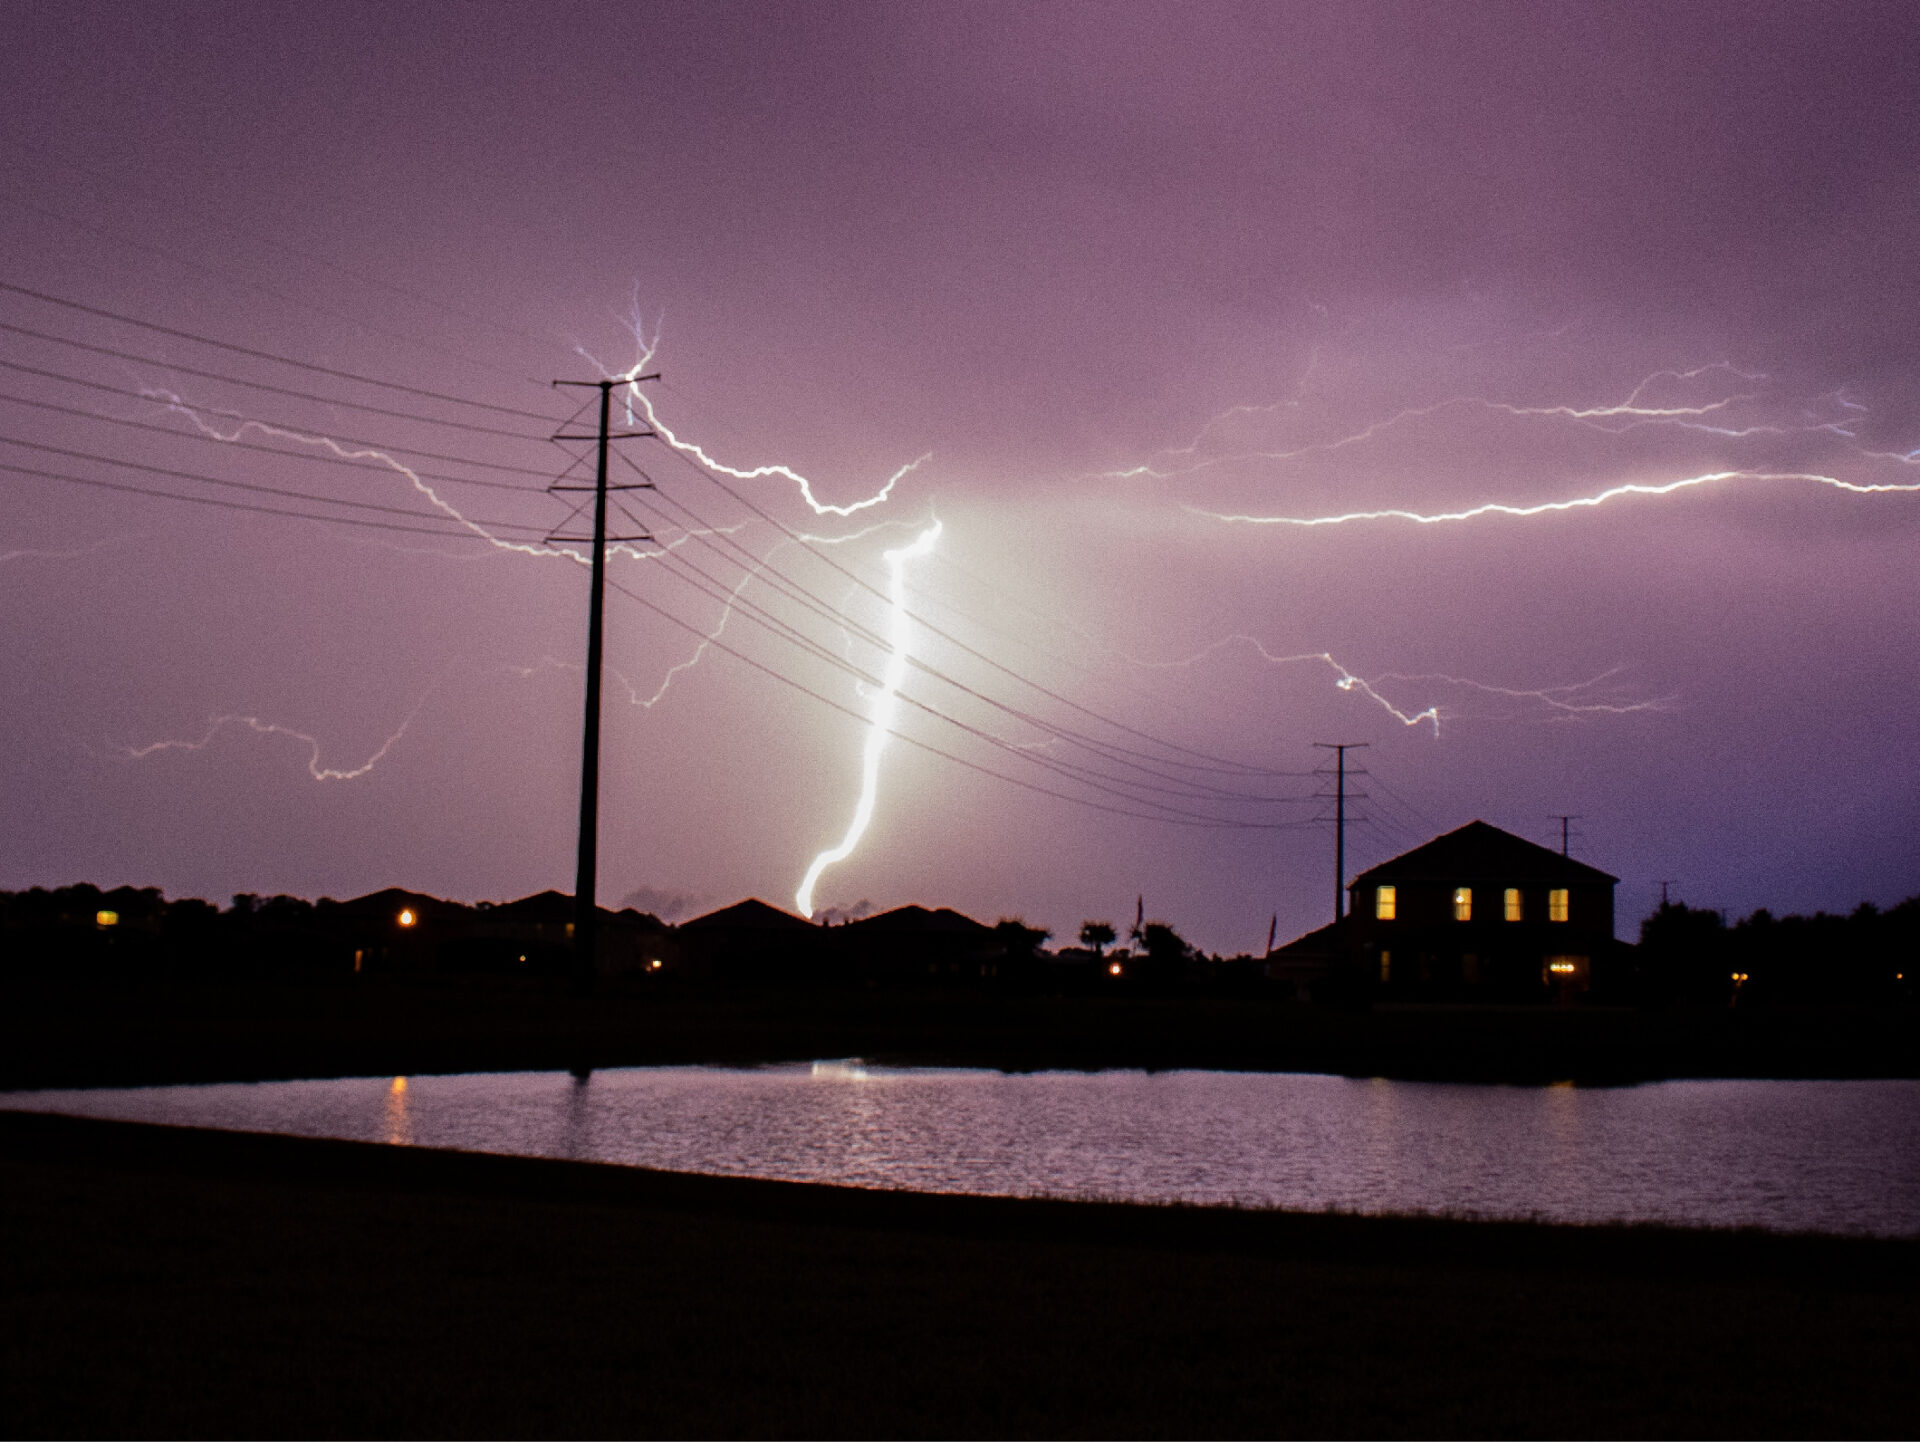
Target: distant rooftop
x,y
752,914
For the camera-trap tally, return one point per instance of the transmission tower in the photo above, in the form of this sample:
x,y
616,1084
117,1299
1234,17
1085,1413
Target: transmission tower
x,y
586,914
1340,750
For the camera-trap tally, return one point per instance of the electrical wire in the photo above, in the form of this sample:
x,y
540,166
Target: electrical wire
x,y
216,502
198,478
359,463
253,354
167,365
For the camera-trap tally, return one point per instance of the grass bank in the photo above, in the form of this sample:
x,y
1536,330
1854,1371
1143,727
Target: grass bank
x,y
170,1281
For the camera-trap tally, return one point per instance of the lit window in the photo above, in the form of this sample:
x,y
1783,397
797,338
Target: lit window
x,y
1557,905
1384,898
1513,903
1386,967
1463,903
106,918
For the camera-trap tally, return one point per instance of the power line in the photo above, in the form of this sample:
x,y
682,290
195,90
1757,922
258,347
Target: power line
x,y
1216,761
167,365
246,486
357,462
762,568
927,746
254,354
1101,781
217,503
544,475
109,234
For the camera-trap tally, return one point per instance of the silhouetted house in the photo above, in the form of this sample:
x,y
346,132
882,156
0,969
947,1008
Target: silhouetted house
x,y
751,941
535,933
912,945
394,929
1476,914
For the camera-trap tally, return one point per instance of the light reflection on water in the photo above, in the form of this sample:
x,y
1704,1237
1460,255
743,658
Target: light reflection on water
x,y
1840,1156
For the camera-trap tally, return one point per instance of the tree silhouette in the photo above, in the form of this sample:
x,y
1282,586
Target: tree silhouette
x,y
1099,935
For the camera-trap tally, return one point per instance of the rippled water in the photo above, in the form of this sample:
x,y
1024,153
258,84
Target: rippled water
x,y
1837,1156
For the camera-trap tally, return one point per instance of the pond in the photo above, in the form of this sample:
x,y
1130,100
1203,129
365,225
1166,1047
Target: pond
x,y
1832,1156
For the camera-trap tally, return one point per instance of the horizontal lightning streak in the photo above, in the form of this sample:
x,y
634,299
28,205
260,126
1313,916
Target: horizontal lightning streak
x,y
1504,508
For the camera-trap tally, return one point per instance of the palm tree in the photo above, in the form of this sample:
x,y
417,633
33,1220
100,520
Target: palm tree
x,y
1097,934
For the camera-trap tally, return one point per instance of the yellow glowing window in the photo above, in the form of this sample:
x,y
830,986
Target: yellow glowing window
x,y
1384,902
1513,903
106,918
1386,967
1463,903
1557,905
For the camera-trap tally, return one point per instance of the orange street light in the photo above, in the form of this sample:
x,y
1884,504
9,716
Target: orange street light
x,y
406,917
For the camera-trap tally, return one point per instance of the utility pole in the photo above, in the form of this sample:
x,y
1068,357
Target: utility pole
x,y
1664,884
1565,823
1340,750
586,914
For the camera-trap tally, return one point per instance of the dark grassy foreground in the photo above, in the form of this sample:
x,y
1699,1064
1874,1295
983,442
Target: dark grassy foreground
x,y
122,1032
165,1281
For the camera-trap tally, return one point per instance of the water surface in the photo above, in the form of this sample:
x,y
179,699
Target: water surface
x,y
1836,1156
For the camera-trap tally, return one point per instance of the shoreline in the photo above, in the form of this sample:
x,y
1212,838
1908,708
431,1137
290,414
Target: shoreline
x,y
121,1034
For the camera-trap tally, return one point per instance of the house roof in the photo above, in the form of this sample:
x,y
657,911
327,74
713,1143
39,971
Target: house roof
x,y
1327,941
919,921
388,902
1479,852
554,908
752,914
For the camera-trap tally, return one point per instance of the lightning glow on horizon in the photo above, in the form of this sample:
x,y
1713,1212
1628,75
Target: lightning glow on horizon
x,y
880,726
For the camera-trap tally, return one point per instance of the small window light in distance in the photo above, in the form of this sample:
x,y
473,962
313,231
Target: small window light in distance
x,y
1463,903
1513,903
1385,903
1557,907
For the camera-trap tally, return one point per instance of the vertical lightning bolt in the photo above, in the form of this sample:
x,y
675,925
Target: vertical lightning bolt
x,y
885,703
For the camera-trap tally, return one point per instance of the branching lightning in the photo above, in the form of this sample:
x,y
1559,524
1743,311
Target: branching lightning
x,y
1542,508
880,727
1613,418
640,407
270,728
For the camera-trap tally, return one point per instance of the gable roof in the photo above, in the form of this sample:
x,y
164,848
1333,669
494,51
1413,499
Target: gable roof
x,y
552,907
919,921
555,908
1479,852
752,914
1328,940
389,901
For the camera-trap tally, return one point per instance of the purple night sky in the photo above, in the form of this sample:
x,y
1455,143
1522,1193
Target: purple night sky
x,y
1119,273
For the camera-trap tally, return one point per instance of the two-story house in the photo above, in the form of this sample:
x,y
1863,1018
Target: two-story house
x,y
1478,914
